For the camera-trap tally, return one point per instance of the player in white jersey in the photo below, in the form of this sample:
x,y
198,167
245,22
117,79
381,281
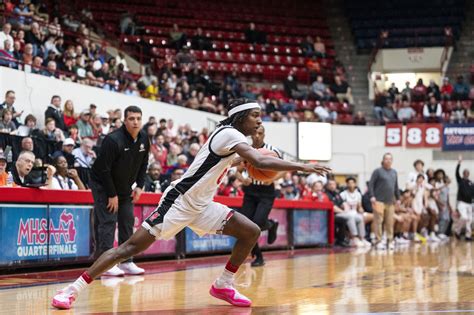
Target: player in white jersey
x,y
188,202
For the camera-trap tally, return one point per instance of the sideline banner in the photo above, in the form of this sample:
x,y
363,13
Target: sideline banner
x,y
207,243
458,137
310,227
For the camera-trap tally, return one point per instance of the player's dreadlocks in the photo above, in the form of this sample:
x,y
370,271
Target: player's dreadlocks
x,y
237,118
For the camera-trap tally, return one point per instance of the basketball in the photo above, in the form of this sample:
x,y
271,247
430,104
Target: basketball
x,y
259,174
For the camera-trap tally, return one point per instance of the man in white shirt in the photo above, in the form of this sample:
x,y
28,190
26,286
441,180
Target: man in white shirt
x,y
85,155
5,35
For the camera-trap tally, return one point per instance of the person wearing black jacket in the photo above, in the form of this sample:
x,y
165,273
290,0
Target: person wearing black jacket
x,y
122,162
54,111
464,206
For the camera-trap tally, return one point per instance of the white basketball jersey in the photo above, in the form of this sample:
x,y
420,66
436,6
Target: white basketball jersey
x,y
200,182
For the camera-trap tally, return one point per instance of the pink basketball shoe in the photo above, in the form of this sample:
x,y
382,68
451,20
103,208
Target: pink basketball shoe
x,y
64,298
230,295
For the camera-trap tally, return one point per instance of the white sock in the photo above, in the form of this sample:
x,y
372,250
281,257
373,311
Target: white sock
x,y
226,279
80,284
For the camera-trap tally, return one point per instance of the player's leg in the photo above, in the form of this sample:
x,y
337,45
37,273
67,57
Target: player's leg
x,y
219,219
139,242
126,220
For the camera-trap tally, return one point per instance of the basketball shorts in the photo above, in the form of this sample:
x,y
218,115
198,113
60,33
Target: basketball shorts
x,y
174,214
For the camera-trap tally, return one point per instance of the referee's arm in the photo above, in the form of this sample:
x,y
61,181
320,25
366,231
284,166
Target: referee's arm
x,y
109,152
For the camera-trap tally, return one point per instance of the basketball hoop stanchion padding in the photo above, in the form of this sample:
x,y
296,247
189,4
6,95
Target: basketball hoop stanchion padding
x,y
27,215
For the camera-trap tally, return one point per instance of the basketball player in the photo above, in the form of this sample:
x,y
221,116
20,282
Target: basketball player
x,y
188,202
258,200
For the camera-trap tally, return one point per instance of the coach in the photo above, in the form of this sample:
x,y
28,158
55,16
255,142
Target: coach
x,y
122,162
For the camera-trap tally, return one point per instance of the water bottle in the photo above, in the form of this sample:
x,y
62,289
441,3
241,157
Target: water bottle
x,y
10,179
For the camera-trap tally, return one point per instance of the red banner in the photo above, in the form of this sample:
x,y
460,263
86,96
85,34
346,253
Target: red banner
x,y
423,135
393,135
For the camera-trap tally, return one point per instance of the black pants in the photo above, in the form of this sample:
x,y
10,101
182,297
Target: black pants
x,y
105,222
257,207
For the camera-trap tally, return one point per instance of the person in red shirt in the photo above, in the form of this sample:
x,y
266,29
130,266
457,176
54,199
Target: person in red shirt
x,y
317,193
446,90
232,188
70,117
419,91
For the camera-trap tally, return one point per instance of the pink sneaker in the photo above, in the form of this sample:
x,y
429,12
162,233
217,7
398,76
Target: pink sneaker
x,y
230,295
64,298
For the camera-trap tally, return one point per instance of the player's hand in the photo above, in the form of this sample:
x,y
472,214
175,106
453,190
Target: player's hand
x,y
314,168
460,158
112,206
136,194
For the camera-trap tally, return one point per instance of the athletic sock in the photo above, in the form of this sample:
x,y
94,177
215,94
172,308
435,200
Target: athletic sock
x,y
227,276
82,282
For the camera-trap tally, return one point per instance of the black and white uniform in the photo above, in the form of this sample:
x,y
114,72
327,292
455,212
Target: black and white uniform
x,y
188,201
259,197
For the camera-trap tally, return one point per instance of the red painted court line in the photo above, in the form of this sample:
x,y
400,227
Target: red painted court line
x,y
153,267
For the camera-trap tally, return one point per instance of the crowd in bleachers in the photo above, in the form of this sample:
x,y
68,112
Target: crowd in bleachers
x,y
452,102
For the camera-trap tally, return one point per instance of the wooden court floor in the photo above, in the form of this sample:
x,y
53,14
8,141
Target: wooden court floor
x,y
420,279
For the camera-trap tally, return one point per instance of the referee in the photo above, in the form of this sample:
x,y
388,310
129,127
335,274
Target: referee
x,y
258,200
122,162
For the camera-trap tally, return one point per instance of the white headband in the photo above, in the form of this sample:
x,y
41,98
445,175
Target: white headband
x,y
243,107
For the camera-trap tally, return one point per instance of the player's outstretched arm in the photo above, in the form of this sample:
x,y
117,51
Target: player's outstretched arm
x,y
258,160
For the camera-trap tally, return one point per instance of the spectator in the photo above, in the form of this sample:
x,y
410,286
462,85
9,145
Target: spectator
x,y
406,113
66,152
253,36
308,46
192,152
6,124
36,66
177,37
54,111
4,180
324,113
105,124
69,116
407,92
319,48
27,55
433,111
84,155
200,41
341,90
8,104
384,190
154,178
6,57
23,167
175,175
232,188
27,144
317,193
359,119
340,218
405,219
5,35
185,60
132,89
433,90
393,93
413,175
464,205
146,79
65,178
459,114
442,183
29,128
291,87
460,89
152,91
74,134
389,113
353,211
50,132
419,91
84,126
319,90
35,37
446,89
